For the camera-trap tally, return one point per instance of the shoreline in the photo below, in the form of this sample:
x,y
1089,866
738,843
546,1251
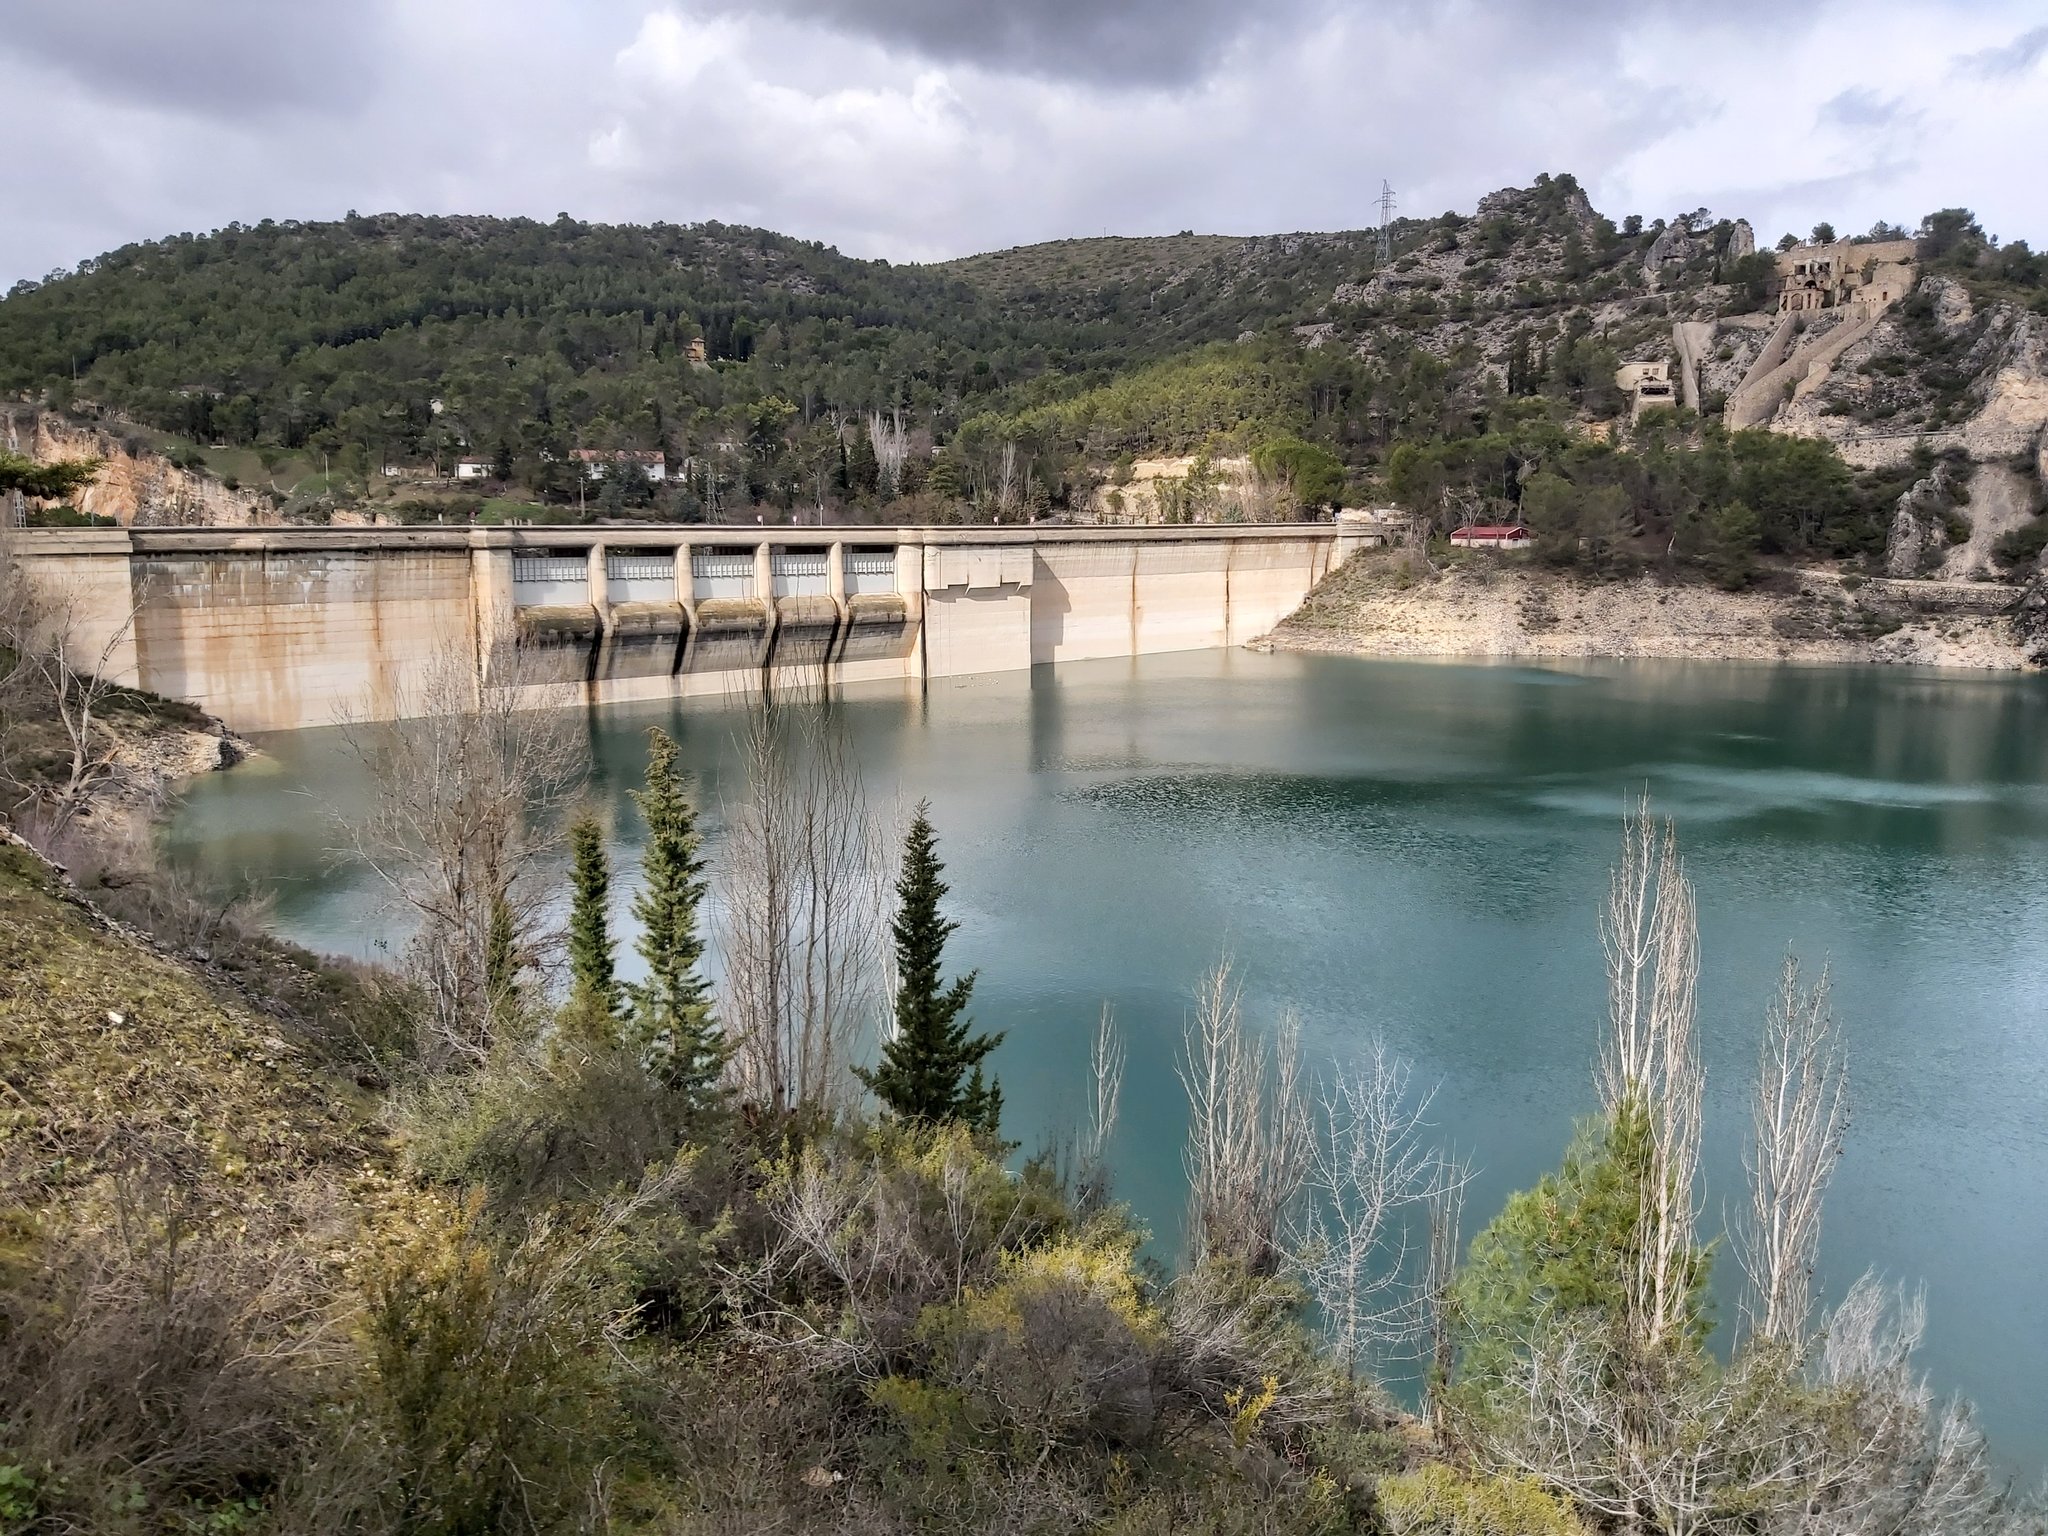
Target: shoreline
x,y
149,767
1376,605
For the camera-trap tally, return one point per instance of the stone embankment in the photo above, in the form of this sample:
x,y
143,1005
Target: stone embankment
x,y
1379,605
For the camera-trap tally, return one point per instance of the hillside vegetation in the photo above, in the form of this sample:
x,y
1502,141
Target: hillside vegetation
x,y
309,357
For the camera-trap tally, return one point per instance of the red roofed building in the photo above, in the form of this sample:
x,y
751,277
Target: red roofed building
x,y
1491,536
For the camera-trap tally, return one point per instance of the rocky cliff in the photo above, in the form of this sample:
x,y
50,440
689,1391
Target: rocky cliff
x,y
1936,370
138,487
1948,526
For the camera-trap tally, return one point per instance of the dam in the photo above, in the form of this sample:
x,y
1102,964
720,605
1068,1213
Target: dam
x,y
283,628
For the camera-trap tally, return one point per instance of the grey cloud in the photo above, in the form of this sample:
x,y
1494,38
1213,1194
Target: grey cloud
x,y
1153,43
135,118
2013,58
221,58
1144,42
1860,108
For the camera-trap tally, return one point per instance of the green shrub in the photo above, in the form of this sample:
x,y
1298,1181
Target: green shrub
x,y
1058,1346
1437,1500
18,1502
1562,1252
2023,545
566,1120
493,1397
63,515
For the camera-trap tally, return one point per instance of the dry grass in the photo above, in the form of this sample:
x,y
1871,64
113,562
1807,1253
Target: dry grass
x,y
112,1055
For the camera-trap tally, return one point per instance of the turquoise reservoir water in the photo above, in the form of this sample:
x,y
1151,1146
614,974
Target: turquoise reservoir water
x,y
1419,849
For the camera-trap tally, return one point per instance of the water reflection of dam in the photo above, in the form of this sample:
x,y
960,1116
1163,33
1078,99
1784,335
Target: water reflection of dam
x,y
274,629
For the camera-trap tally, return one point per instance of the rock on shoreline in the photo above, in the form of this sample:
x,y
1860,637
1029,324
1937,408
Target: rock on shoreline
x,y
1375,606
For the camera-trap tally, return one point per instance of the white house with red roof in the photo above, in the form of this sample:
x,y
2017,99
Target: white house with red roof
x,y
1491,536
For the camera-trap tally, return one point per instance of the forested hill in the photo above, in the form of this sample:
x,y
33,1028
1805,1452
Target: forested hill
x,y
1472,375
274,333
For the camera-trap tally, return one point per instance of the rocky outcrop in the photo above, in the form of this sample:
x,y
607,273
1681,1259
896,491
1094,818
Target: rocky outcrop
x,y
1982,503
1668,246
1679,241
1879,413
138,487
2001,501
2014,413
1693,340
2030,620
1919,536
1374,605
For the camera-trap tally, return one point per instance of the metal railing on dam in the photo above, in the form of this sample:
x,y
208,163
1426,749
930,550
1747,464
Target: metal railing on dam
x,y
279,628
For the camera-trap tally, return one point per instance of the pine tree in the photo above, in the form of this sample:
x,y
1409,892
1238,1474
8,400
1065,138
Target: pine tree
x,y
863,472
593,984
932,1070
672,1008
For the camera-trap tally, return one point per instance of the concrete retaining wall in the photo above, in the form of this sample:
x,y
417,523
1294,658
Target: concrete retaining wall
x,y
277,629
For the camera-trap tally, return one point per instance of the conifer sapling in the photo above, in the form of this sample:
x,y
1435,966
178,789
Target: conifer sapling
x,y
931,1071
593,982
672,1007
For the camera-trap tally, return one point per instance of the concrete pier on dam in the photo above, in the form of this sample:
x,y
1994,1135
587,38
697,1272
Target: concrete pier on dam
x,y
278,629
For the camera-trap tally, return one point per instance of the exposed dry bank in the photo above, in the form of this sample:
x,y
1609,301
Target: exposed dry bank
x,y
1392,605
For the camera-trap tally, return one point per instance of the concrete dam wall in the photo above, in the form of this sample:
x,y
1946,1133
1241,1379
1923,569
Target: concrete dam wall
x,y
277,629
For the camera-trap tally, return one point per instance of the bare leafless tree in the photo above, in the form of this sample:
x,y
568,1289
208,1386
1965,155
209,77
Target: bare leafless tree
x,y
461,789
1247,1144
1678,1459
1887,1456
1796,1125
1650,1064
1106,1057
56,749
1253,496
1859,1447
886,435
1361,1242
1010,476
803,908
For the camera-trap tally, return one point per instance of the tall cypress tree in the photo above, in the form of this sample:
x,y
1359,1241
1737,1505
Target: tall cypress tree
x,y
932,1070
501,959
672,1008
593,982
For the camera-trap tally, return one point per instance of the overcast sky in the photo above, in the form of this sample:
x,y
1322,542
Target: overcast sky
x,y
916,129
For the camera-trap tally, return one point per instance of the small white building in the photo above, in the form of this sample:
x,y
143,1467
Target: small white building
x,y
1491,536
1376,527
472,469
599,462
1648,387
